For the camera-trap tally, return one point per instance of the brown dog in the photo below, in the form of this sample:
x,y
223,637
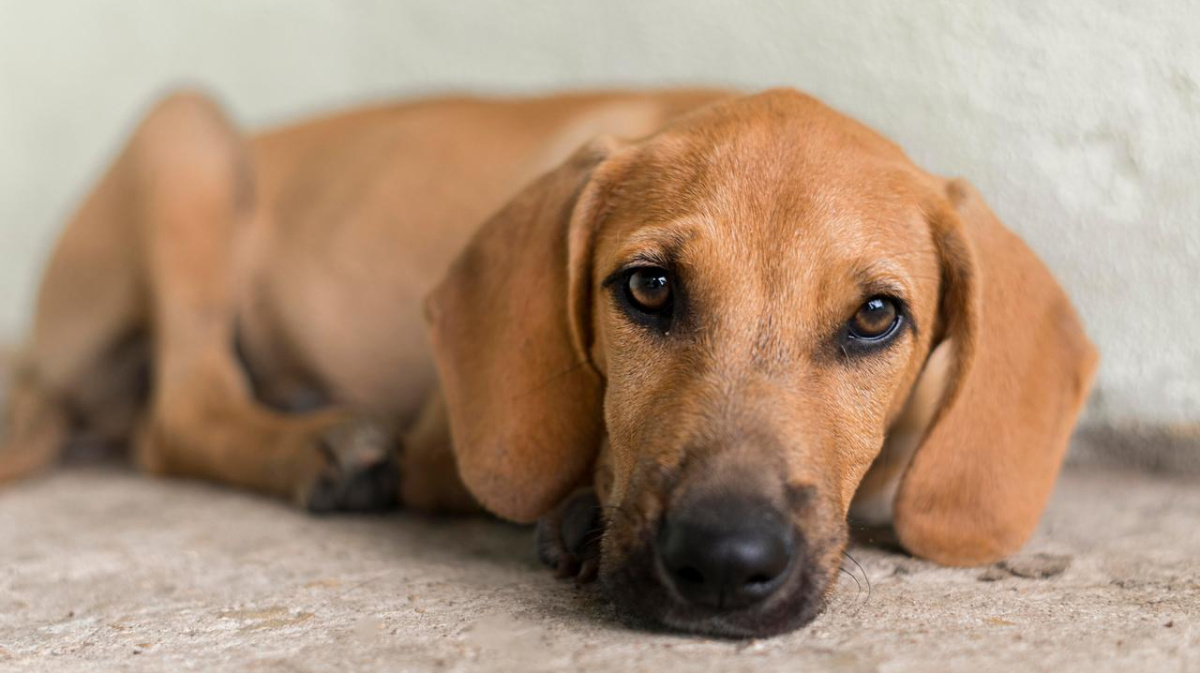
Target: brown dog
x,y
720,325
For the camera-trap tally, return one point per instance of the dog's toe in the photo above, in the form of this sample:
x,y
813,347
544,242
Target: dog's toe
x,y
568,538
361,473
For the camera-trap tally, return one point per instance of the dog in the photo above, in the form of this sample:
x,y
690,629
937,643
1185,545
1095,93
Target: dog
x,y
688,332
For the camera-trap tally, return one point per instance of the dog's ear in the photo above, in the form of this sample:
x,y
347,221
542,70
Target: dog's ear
x,y
1022,368
510,334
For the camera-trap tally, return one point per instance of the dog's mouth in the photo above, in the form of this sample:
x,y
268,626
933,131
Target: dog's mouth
x,y
734,568
648,595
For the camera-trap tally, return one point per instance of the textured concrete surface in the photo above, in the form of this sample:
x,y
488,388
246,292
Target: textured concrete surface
x,y
1078,119
102,570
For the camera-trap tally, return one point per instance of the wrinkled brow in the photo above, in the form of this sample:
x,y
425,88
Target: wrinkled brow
x,y
658,245
882,277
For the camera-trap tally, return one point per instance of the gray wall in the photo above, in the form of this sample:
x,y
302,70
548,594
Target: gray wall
x,y
1079,119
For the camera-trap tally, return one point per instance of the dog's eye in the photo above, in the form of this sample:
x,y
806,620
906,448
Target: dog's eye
x,y
875,320
649,290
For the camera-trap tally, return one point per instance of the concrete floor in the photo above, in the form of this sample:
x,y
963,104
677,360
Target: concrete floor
x,y
102,570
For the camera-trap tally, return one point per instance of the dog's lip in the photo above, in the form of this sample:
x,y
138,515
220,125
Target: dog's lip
x,y
774,615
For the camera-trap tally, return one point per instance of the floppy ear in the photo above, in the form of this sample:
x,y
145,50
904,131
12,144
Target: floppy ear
x,y
510,338
1022,368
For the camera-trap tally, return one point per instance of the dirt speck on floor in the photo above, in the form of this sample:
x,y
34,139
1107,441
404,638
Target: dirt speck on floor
x,y
1036,566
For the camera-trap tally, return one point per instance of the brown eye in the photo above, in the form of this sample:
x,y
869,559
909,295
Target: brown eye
x,y
875,319
649,290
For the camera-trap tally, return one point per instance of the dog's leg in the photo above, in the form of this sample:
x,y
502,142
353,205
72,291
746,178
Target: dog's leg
x,y
140,291
196,202
569,536
33,429
81,368
429,474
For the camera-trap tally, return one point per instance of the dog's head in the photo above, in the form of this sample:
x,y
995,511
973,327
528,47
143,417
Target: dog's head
x,y
733,314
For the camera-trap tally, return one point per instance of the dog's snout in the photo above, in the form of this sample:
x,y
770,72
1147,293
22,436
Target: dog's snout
x,y
725,553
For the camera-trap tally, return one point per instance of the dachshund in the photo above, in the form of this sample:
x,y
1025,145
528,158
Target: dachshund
x,y
689,332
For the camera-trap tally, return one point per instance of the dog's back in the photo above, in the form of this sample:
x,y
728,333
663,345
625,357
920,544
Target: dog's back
x,y
344,223
362,214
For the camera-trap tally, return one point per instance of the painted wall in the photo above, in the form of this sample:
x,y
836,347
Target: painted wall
x,y
1078,119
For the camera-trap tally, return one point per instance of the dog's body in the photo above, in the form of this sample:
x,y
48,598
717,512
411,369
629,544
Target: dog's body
x,y
250,311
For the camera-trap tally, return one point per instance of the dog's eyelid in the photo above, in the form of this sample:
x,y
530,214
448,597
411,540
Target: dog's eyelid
x,y
883,288
883,277
637,261
649,258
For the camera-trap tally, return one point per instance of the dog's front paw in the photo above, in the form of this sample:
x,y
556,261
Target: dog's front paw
x,y
360,472
568,538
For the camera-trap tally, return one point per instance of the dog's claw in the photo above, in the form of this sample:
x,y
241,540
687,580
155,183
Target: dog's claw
x,y
361,474
568,538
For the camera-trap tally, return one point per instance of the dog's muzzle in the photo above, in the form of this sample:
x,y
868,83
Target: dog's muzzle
x,y
725,565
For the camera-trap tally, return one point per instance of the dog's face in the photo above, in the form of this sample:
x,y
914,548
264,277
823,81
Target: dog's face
x,y
760,309
736,309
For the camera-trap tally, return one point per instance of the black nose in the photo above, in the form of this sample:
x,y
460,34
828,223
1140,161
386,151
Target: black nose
x,y
724,552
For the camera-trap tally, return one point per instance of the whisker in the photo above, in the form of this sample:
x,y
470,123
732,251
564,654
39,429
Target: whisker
x,y
864,573
851,576
593,535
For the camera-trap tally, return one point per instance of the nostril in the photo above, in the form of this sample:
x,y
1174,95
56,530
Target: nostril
x,y
689,574
759,579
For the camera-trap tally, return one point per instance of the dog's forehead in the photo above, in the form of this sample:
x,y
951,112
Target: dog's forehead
x,y
779,158
780,183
